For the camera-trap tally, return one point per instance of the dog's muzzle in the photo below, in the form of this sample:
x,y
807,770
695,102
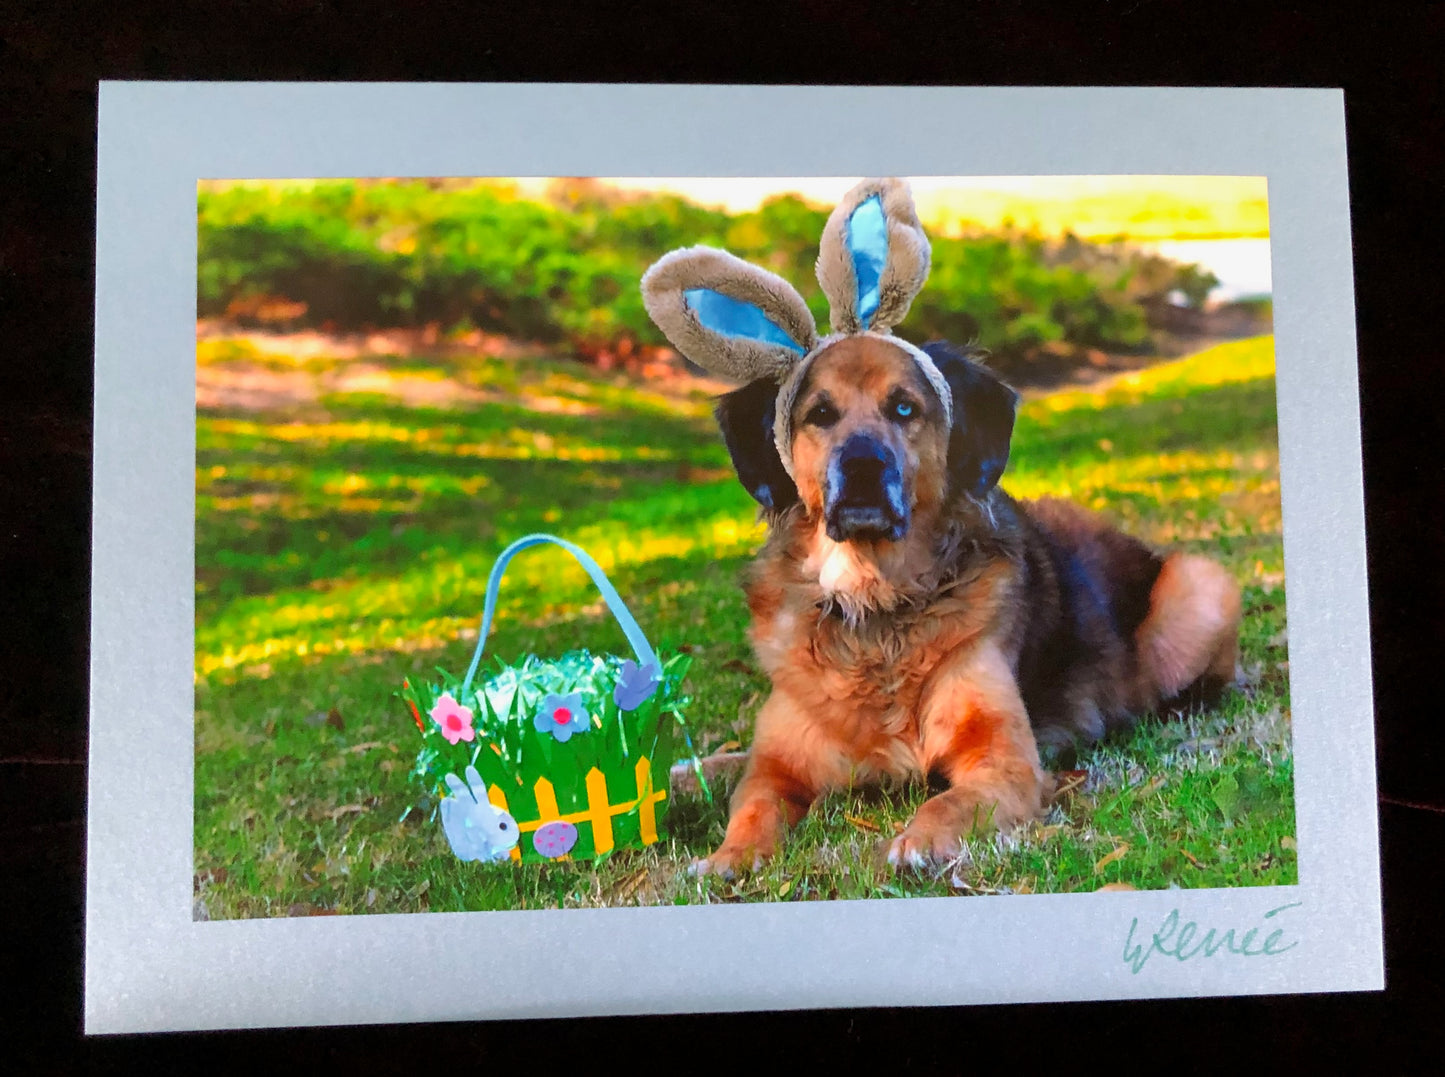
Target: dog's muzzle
x,y
864,497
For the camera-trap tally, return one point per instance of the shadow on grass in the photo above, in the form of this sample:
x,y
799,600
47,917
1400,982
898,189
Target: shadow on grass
x,y
262,549
1236,415
495,422
291,525
392,485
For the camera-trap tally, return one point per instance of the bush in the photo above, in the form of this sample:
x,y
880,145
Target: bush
x,y
564,271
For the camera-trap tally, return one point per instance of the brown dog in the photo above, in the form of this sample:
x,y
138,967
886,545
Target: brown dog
x,y
917,622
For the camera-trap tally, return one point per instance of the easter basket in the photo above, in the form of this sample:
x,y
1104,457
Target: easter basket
x,y
551,758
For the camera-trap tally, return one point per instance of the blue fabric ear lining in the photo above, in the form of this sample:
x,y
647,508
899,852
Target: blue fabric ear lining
x,y
735,318
867,241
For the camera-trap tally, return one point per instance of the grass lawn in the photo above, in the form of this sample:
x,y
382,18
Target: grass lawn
x,y
343,543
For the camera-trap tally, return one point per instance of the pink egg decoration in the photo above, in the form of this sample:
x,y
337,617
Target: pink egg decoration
x,y
555,839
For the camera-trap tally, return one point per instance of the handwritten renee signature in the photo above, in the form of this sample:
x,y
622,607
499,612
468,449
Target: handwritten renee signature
x,y
1172,940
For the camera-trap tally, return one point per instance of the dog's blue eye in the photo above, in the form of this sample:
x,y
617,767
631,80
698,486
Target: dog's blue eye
x,y
903,410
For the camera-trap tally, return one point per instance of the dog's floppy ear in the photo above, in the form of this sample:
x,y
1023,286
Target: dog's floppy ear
x,y
728,316
873,257
746,417
983,420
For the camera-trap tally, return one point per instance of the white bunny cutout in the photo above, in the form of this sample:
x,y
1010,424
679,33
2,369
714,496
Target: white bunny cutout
x,y
475,828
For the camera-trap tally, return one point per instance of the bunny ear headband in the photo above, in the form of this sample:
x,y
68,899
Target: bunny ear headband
x,y
744,323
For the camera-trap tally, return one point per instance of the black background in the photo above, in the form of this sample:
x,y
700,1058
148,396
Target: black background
x,y
51,57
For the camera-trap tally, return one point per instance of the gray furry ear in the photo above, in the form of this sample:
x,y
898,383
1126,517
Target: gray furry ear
x,y
728,316
873,258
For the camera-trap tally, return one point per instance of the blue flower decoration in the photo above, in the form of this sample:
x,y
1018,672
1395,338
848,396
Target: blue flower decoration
x,y
562,716
635,684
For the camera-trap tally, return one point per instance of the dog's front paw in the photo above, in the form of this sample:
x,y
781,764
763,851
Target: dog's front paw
x,y
923,845
727,862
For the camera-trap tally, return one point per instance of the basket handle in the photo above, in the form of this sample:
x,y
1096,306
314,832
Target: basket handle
x,y
645,655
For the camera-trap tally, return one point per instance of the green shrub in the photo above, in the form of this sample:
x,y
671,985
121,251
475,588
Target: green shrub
x,y
565,271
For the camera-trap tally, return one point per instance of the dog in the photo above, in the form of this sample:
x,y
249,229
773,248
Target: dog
x,y
917,622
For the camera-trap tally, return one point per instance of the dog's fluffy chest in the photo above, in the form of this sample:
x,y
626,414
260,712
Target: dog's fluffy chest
x,y
864,678
877,665
841,571
862,685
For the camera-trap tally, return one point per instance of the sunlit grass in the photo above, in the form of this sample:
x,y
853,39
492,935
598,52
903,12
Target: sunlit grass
x,y
340,552
376,614
514,444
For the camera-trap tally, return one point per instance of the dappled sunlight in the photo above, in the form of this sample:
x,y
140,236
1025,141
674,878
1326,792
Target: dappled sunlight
x,y
1227,364
516,444
1087,446
1224,503
696,403
557,405
1200,473
366,614
258,658
1239,419
248,556
1164,490
725,535
266,491
1183,454
353,483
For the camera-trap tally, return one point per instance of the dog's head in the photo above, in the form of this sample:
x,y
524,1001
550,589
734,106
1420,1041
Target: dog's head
x,y
863,429
872,444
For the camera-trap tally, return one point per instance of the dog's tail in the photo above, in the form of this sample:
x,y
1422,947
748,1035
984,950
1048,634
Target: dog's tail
x,y
1190,637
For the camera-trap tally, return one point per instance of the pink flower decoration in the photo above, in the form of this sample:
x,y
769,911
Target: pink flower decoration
x,y
455,720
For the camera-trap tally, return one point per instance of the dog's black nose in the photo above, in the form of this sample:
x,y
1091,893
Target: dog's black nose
x,y
864,463
865,492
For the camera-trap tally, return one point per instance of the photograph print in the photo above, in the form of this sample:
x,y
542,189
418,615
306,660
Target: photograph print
x,y
591,542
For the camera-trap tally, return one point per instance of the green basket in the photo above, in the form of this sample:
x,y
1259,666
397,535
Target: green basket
x,y
574,752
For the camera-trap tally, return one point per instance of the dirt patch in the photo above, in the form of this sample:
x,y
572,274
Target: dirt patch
x,y
257,371
285,370
244,386
304,345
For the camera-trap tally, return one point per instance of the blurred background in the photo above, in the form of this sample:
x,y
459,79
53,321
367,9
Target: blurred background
x,y
1054,275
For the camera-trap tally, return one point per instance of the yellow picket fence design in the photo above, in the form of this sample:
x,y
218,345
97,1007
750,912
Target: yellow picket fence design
x,y
599,811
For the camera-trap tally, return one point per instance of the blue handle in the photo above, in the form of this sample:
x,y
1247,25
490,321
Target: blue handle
x,y
643,649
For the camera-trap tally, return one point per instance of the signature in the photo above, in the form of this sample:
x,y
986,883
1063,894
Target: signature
x,y
1173,940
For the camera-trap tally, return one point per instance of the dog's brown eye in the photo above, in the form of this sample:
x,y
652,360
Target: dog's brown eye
x,y
821,414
